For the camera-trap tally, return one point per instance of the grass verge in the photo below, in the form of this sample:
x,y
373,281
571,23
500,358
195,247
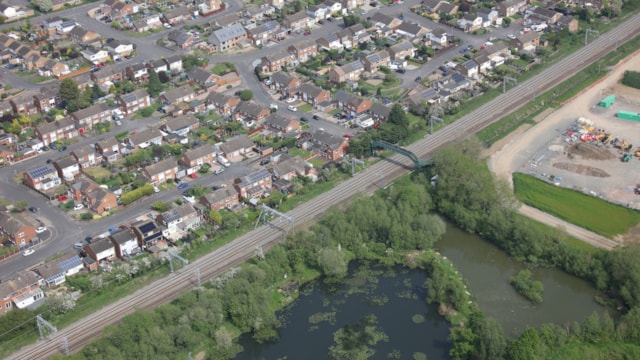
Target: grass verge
x,y
591,213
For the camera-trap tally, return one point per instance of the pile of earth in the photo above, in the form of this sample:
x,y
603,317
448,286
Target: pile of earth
x,y
581,169
590,152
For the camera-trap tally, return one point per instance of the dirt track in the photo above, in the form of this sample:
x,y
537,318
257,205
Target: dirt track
x,y
505,154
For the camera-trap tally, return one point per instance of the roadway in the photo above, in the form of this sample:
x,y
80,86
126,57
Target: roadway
x,y
234,253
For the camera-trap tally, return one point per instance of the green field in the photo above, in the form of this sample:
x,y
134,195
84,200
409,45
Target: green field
x,y
591,213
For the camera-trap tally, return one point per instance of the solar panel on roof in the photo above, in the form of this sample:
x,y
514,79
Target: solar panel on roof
x,y
70,263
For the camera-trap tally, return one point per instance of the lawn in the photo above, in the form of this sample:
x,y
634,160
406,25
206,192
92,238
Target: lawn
x,y
222,68
305,108
299,152
97,172
589,212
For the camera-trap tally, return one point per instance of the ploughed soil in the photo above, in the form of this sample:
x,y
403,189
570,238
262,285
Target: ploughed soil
x,y
589,151
581,169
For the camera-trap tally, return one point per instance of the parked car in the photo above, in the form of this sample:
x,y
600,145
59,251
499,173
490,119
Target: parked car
x,y
401,71
88,239
264,162
292,108
28,252
156,189
62,198
348,136
53,146
304,119
78,245
307,33
63,148
218,171
291,99
511,36
183,186
193,176
78,207
316,117
33,209
41,229
418,79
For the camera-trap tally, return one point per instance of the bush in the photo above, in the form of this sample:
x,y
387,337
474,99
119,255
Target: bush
x,y
131,196
527,287
86,216
632,79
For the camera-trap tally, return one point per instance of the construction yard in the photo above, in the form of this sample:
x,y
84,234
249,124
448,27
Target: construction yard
x,y
583,145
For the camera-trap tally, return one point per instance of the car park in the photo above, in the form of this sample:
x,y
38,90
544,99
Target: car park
x,y
78,207
41,229
183,186
28,252
33,209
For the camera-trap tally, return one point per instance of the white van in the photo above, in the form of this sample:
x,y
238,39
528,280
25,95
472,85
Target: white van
x,y
222,160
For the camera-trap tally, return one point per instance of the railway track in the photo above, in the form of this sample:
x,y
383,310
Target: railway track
x,y
82,332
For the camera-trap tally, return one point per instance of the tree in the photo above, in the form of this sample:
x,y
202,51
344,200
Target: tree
x,y
69,93
161,206
12,127
333,262
215,216
20,205
24,120
246,95
154,86
96,92
164,77
43,5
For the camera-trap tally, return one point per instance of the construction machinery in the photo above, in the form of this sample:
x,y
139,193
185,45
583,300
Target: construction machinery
x,y
622,145
626,157
638,152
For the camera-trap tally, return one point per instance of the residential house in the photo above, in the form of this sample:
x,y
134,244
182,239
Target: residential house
x,y
526,42
134,101
329,42
95,56
438,37
492,56
23,104
227,38
87,118
236,147
277,61
137,72
181,125
287,84
64,128
149,234
50,25
23,289
178,95
120,9
350,71
313,95
373,61
47,98
109,149
381,20
225,20
202,76
351,103
489,16
333,7
225,198
470,22
317,12
16,229
411,31
278,4
401,51
125,243
82,35
54,272
101,250
53,68
380,112
568,22
195,158
297,22
144,138
223,104
175,64
93,196
119,48
42,178
106,76
180,220
469,69
34,62
304,50
511,7
254,185
182,39
545,15
208,7
257,13
157,65
329,146
229,79
85,156
177,15
67,167
161,172
250,111
431,6
290,168
280,125
262,34
346,38
65,27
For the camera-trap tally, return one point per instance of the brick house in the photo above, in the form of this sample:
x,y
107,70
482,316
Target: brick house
x,y
328,146
289,168
313,95
67,167
149,233
202,76
195,158
180,220
380,112
47,99
137,72
248,110
93,196
220,199
161,172
175,64
54,272
87,118
304,50
236,147
144,138
285,83
23,104
526,42
177,15
178,95
109,149
106,75
101,250
298,21
181,125
511,7
16,229
401,50
42,177
134,101
277,61
85,156
82,35
20,291
350,71
280,125
227,38
351,103
224,104
125,243
254,185
372,62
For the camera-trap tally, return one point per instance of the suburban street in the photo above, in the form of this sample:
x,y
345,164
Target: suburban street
x,y
65,231
367,181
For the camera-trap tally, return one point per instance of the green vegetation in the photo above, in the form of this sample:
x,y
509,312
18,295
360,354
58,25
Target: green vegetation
x,y
223,68
527,287
632,79
133,195
586,211
355,341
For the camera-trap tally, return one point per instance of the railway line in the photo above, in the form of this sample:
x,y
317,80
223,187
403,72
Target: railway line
x,y
82,332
